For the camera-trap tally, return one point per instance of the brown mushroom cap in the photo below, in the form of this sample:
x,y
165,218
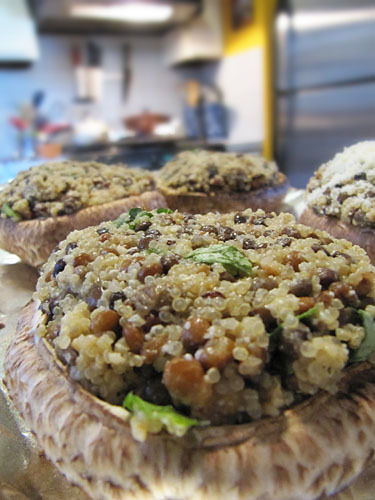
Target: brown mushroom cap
x,y
267,198
317,447
362,236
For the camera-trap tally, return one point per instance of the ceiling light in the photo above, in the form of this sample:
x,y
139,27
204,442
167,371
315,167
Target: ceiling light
x,y
320,20
130,12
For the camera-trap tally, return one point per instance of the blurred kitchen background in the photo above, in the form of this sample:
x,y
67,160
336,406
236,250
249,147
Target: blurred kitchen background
x,y
136,81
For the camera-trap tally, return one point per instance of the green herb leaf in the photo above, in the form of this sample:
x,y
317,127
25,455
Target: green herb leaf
x,y
9,212
310,312
274,335
367,346
120,221
163,211
154,250
133,214
174,422
144,213
232,259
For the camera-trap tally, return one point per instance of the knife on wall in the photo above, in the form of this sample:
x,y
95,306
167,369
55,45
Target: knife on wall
x,y
127,70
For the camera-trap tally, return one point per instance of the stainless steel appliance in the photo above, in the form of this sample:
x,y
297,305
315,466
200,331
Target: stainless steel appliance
x,y
324,81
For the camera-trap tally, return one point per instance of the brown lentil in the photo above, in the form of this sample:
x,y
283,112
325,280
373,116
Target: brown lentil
x,y
294,259
167,261
216,353
305,303
82,259
104,321
327,276
301,287
363,288
134,337
194,331
152,347
184,379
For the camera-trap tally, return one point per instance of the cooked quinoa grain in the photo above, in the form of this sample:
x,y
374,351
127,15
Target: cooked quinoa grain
x,y
344,187
222,329
54,189
216,172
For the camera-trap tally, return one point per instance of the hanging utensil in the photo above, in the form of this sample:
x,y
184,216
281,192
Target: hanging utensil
x,y
127,70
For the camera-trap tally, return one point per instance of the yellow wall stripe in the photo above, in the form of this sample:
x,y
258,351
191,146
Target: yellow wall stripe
x,y
257,33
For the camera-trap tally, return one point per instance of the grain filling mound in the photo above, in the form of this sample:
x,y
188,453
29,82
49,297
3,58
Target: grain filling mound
x,y
340,196
203,181
42,205
228,318
344,187
55,189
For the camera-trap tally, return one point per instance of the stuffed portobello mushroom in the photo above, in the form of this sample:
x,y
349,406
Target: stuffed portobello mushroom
x,y
204,181
209,356
341,196
43,204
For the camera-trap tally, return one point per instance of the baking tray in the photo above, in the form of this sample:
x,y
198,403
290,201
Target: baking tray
x,y
25,473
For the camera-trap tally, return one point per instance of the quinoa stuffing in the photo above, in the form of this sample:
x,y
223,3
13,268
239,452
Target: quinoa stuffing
x,y
207,172
54,189
224,318
344,187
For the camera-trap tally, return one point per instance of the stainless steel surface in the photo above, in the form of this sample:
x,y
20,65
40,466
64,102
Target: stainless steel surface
x,y
325,81
324,43
314,125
